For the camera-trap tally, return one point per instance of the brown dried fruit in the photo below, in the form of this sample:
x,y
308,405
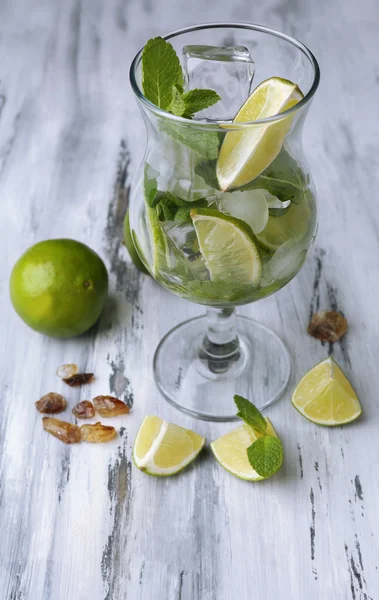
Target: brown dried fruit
x,y
84,410
79,379
51,403
98,433
107,406
327,326
66,432
65,371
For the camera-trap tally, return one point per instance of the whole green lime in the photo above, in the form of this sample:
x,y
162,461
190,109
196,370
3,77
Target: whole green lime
x,y
128,241
59,287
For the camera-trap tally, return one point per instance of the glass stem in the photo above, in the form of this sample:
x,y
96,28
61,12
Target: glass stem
x,y
221,346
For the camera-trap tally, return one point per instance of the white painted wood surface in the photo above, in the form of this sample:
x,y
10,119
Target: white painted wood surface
x,y
81,523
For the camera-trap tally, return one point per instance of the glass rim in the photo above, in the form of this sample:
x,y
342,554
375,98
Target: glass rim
x,y
223,25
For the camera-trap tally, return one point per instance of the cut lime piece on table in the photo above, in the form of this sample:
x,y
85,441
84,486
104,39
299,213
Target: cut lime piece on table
x,y
325,396
228,247
230,450
162,448
246,153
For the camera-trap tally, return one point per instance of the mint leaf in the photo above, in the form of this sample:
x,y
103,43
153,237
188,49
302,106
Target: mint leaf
x,y
198,99
266,455
283,178
205,143
207,170
150,184
250,414
172,208
177,106
161,70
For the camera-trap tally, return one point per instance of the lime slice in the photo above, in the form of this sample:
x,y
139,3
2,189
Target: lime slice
x,y
162,448
245,154
250,206
228,247
230,450
290,226
157,240
324,395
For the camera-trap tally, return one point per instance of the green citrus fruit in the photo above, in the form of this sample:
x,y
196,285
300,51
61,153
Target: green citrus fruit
x,y
59,287
128,241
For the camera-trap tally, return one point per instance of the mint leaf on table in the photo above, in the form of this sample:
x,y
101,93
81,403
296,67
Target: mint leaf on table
x,y
161,70
198,99
266,455
250,414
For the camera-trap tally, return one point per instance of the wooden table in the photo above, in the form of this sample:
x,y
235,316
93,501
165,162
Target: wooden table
x,y
81,522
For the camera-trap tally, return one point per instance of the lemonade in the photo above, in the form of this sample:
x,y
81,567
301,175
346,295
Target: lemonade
x,y
219,248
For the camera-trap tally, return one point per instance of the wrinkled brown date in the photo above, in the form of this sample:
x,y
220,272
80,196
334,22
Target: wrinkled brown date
x,y
79,379
327,326
84,410
66,432
107,406
51,403
98,433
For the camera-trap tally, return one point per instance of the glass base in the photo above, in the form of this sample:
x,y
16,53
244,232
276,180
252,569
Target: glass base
x,y
200,378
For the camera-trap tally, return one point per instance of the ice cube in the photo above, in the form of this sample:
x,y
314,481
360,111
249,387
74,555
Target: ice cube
x,y
285,262
249,206
183,236
229,70
174,167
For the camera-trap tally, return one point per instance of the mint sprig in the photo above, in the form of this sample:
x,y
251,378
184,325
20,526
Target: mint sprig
x,y
186,105
266,453
250,414
162,81
161,70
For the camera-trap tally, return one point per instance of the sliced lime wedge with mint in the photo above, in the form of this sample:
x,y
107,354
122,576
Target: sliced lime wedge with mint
x,y
246,153
230,450
228,247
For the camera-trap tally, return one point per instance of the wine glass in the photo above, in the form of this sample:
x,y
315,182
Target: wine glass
x,y
224,245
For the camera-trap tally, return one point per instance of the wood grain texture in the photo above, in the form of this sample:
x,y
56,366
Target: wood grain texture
x,y
81,522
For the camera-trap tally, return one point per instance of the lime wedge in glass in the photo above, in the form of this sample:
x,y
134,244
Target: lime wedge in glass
x,y
290,224
246,153
228,247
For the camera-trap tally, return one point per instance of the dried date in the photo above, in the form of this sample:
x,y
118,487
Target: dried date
x,y
327,326
84,410
64,431
108,406
97,433
66,371
79,379
51,403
